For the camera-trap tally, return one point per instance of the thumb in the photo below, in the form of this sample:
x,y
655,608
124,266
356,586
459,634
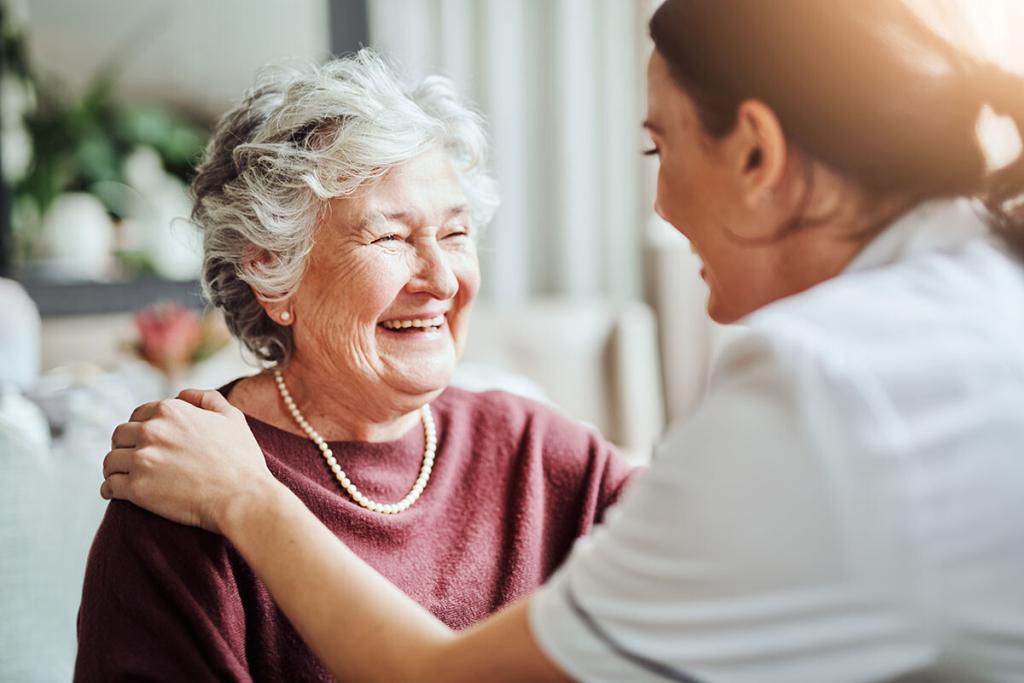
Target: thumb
x,y
207,399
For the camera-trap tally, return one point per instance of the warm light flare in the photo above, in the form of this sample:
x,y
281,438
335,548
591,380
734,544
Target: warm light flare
x,y
988,29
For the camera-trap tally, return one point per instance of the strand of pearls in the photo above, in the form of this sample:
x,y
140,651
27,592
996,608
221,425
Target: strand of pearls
x,y
429,432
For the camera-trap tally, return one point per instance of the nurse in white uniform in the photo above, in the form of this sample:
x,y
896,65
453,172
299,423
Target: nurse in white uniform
x,y
848,503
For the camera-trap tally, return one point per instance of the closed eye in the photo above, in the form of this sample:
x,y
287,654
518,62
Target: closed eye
x,y
457,233
653,151
387,238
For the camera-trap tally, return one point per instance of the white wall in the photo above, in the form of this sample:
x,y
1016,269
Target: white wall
x,y
201,53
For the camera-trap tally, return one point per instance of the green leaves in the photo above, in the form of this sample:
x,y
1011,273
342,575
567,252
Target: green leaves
x,y
82,142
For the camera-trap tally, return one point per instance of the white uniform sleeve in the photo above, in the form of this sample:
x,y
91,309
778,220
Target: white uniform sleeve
x,y
742,554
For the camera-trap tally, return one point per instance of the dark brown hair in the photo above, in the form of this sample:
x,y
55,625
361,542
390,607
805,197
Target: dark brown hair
x,y
863,86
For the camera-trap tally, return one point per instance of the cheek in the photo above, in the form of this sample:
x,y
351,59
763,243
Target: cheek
x,y
691,197
672,195
662,202
673,208
355,290
467,272
465,266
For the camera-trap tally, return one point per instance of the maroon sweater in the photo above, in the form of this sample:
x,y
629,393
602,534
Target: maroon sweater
x,y
514,484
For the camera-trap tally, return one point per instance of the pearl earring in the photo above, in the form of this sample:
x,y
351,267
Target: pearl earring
x,y
285,316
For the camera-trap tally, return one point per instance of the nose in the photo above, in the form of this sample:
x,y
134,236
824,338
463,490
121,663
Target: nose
x,y
433,273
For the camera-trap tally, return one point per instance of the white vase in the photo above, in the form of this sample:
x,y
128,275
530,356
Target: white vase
x,y
77,238
160,206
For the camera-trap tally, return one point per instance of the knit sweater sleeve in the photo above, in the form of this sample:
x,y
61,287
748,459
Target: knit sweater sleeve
x,y
583,473
160,602
588,468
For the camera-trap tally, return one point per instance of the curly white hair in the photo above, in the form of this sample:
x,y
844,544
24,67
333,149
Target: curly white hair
x,y
300,137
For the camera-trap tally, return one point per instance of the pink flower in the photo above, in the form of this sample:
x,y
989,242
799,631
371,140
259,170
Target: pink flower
x,y
169,336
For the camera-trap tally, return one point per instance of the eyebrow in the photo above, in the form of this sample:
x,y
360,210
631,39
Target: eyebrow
x,y
406,216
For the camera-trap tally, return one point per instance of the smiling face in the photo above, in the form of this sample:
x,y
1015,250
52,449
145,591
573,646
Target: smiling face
x,y
697,192
383,307
737,196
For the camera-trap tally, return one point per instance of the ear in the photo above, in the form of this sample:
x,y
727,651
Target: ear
x,y
279,310
759,152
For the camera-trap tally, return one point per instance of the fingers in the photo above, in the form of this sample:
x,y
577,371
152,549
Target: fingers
x,y
208,399
125,435
118,461
115,486
144,412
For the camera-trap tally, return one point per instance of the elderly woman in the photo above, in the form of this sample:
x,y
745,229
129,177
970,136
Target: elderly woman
x,y
339,212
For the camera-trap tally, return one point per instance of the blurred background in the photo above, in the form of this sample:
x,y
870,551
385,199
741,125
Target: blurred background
x,y
589,301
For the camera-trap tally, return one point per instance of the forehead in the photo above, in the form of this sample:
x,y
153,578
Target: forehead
x,y
424,186
658,77
668,105
433,166
657,67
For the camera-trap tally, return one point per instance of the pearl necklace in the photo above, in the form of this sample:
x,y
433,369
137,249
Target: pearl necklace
x,y
429,432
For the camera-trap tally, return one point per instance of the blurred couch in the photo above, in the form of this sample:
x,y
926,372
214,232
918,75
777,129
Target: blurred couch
x,y
597,361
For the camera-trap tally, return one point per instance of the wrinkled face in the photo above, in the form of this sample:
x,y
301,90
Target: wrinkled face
x,y
698,194
383,307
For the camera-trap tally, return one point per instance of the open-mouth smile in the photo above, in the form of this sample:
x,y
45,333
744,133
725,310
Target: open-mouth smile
x,y
414,325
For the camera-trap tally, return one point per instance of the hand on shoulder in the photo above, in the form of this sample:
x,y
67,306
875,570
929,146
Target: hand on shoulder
x,y
191,459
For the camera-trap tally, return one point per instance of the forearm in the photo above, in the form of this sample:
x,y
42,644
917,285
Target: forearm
x,y
196,462
360,625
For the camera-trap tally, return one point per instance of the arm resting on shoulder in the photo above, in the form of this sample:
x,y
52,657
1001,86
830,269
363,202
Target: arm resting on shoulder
x,y
195,461
385,635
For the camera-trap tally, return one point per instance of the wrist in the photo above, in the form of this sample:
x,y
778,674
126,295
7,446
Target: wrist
x,y
243,509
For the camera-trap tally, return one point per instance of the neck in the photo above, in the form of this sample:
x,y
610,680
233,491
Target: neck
x,y
801,259
824,250
340,415
814,256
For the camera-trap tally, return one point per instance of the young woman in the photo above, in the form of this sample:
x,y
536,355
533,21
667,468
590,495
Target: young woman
x,y
846,505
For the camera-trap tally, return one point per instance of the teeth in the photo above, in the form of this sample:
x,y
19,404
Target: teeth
x,y
403,324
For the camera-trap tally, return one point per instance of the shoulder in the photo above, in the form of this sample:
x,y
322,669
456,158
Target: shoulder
x,y
930,331
506,414
130,521
794,385
957,292
786,419
502,425
130,539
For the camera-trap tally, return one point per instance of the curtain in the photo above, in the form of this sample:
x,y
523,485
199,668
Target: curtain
x,y
561,83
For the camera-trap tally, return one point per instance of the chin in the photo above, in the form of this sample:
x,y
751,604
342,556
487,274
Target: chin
x,y
721,314
425,388
422,379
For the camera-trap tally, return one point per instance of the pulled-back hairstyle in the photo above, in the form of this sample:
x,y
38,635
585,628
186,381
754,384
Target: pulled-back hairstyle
x,y
300,137
863,86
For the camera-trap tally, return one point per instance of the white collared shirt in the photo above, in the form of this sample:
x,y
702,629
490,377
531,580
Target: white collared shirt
x,y
848,503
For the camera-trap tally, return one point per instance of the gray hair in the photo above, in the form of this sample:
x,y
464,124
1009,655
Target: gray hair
x,y
300,137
